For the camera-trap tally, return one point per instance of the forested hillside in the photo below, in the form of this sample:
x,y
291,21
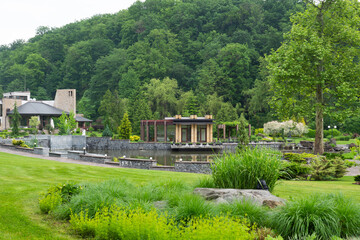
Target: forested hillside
x,y
157,58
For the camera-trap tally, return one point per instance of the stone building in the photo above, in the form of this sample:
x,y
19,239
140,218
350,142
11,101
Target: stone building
x,y
65,101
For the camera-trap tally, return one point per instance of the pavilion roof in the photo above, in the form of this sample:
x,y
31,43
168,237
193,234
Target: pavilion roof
x,y
34,108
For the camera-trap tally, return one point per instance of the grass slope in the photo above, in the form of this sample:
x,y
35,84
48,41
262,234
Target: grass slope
x,y
22,179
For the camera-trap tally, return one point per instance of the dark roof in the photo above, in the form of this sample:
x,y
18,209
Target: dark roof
x,y
188,121
38,108
82,119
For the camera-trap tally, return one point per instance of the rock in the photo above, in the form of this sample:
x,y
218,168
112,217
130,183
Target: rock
x,y
307,144
259,197
339,148
351,145
161,205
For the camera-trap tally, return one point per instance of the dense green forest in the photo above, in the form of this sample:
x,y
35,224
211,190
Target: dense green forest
x,y
158,58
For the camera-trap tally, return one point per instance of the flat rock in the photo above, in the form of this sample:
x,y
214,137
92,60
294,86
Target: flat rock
x,y
259,197
307,144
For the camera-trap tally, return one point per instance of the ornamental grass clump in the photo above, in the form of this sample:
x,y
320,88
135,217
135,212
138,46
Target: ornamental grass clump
x,y
246,209
244,169
324,216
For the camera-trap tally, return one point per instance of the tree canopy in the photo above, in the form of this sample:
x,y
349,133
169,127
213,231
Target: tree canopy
x,y
316,69
201,50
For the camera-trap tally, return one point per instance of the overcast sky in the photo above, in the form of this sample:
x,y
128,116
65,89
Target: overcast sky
x,y
19,19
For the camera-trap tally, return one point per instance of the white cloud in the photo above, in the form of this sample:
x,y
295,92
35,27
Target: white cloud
x,y
19,19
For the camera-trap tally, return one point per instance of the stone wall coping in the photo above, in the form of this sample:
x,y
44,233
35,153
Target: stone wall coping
x,y
24,148
188,162
76,152
136,159
94,156
170,167
8,145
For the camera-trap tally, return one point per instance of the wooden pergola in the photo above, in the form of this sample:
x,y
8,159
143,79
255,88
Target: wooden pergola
x,y
229,128
145,125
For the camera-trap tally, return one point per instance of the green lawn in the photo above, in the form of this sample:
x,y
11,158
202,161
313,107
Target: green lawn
x,y
22,179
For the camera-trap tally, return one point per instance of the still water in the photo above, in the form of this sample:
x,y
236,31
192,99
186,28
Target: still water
x,y
163,157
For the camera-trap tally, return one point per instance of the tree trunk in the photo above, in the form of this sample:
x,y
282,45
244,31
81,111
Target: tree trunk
x,y
319,136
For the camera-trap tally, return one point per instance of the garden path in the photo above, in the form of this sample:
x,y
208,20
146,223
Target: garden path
x,y
58,159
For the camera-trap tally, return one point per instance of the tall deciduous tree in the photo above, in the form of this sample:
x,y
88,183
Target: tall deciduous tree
x,y
112,108
317,67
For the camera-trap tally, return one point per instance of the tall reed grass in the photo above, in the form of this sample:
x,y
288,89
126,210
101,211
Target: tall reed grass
x,y
244,169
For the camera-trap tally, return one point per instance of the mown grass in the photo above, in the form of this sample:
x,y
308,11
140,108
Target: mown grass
x,y
23,179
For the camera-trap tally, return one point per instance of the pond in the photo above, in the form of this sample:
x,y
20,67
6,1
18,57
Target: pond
x,y
163,157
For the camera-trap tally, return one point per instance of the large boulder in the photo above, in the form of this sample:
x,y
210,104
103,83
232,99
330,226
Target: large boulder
x,y
307,144
259,197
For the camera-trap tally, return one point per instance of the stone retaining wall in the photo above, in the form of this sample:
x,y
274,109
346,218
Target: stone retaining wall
x,y
18,148
137,163
74,155
94,158
41,151
193,167
57,142
105,143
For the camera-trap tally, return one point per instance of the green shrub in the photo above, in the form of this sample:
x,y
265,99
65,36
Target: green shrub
x,y
107,132
245,169
342,138
119,223
50,200
349,164
298,157
93,134
293,170
349,155
259,130
332,132
134,138
357,178
19,143
333,155
311,133
56,195
91,129
220,227
327,169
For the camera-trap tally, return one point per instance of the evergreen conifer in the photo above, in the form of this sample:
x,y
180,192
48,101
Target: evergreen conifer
x,y
125,127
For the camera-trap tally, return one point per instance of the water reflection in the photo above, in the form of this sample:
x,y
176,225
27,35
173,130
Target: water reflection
x,y
163,157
